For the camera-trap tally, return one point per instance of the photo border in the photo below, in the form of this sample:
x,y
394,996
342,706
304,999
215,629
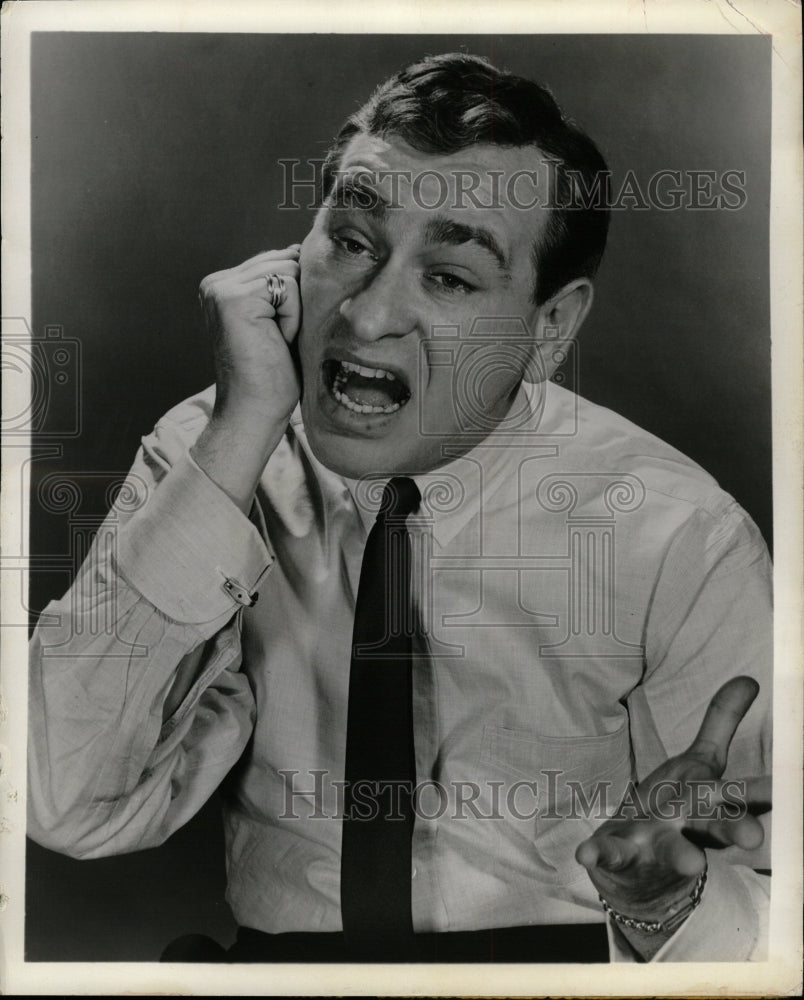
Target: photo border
x,y
780,975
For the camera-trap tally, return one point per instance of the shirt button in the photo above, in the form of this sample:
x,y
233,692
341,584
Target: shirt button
x,y
414,872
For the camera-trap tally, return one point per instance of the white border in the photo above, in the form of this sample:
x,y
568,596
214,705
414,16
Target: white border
x,y
780,18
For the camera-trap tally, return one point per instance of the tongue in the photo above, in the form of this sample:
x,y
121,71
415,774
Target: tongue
x,y
369,391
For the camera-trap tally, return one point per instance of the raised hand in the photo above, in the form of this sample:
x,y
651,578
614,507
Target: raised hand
x,y
257,385
250,338
647,858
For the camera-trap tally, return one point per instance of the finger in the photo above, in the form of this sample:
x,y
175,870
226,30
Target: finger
x,y
289,310
264,263
287,313
725,712
758,794
747,832
612,854
732,798
674,852
270,256
286,266
231,284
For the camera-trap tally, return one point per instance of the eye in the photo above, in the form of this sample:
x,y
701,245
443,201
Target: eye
x,y
450,282
351,245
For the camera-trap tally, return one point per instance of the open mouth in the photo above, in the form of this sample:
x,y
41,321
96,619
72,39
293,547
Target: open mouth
x,y
363,389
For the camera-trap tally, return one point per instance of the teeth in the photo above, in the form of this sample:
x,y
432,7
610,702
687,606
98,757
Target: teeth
x,y
344,400
344,370
349,366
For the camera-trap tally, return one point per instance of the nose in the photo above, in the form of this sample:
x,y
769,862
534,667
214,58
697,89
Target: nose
x,y
382,307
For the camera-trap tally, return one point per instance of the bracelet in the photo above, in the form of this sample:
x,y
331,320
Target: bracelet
x,y
659,926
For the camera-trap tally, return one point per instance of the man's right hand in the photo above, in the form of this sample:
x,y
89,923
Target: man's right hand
x,y
257,385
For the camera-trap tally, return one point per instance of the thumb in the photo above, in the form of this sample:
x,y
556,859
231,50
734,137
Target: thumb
x,y
725,712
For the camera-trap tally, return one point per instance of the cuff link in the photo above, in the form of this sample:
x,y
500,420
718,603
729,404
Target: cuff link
x,y
240,593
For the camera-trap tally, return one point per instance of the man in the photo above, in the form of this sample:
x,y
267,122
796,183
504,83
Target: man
x,y
465,720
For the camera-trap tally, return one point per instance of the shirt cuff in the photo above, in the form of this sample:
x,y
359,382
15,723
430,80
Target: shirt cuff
x,y
730,925
183,545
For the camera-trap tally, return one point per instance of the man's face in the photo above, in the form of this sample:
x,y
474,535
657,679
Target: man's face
x,y
382,284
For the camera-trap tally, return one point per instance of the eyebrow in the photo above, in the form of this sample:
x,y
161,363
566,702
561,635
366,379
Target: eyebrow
x,y
352,194
444,230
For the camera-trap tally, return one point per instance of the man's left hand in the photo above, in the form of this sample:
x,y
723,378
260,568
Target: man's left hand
x,y
646,859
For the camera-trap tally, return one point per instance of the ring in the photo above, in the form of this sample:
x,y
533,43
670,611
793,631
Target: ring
x,y
276,290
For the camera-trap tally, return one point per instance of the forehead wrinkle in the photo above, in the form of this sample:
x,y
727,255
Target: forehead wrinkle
x,y
442,229
352,194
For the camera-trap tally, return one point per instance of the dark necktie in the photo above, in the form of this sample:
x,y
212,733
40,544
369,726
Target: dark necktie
x,y
380,768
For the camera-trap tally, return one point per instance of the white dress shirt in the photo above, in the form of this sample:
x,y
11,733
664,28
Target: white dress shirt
x,y
583,590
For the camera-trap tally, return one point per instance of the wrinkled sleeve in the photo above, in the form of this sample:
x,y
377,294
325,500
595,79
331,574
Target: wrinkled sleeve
x,y
137,706
711,620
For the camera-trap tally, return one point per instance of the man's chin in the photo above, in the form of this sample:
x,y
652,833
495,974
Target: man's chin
x,y
353,457
355,445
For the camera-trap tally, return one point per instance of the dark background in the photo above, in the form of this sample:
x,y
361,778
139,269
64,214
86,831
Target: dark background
x,y
154,162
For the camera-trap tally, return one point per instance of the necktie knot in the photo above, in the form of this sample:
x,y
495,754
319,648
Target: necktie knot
x,y
400,497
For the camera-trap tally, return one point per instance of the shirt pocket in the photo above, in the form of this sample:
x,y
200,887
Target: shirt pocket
x,y
580,781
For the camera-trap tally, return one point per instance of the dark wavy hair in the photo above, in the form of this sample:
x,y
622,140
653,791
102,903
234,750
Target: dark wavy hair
x,y
445,103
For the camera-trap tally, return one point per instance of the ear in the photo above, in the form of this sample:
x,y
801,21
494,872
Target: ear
x,y
558,321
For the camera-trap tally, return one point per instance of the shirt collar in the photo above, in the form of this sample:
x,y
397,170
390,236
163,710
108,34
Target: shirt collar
x,y
451,494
